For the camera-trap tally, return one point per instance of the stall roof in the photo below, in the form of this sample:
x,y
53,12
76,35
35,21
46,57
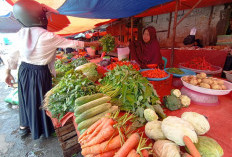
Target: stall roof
x,y
184,4
88,14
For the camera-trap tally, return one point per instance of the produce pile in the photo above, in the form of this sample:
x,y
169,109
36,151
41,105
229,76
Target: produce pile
x,y
121,63
176,100
90,108
203,81
154,73
111,136
130,91
60,99
108,43
199,63
174,132
62,67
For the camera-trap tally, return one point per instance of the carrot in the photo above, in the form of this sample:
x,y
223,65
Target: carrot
x,y
130,143
90,155
187,155
106,146
191,147
104,123
133,153
104,134
108,154
91,128
145,153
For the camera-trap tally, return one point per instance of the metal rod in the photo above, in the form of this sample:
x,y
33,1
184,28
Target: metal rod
x,y
199,1
174,32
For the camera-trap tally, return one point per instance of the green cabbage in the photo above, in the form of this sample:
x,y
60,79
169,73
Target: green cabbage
x,y
208,147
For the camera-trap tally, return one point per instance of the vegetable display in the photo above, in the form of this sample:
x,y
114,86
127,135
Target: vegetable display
x,y
154,73
203,81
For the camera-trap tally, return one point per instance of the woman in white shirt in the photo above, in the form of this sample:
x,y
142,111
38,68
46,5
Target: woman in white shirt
x,y
36,48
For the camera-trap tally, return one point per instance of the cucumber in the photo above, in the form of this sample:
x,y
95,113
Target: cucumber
x,y
85,99
91,104
88,122
92,112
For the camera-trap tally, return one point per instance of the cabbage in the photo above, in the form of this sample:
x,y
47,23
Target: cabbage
x,y
198,121
175,128
166,148
208,147
153,130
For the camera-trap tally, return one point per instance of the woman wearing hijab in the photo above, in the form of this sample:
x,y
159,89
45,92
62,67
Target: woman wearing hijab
x,y
146,51
36,47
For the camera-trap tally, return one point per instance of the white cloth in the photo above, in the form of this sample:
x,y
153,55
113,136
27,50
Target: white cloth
x,y
37,46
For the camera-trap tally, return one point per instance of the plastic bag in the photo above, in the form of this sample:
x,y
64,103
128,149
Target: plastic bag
x,y
12,98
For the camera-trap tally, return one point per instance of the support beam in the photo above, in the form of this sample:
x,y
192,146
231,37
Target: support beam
x,y
169,24
174,32
132,23
199,1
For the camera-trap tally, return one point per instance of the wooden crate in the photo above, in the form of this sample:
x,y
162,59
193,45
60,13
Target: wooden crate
x,y
68,139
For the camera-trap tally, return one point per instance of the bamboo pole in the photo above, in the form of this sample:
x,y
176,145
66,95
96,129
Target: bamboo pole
x,y
174,32
199,1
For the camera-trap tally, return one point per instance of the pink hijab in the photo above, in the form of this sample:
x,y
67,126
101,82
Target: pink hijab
x,y
146,53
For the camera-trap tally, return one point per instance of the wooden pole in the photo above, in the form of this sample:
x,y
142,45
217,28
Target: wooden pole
x,y
174,32
169,24
132,28
199,1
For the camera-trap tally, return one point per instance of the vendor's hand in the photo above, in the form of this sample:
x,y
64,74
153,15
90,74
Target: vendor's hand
x,y
9,80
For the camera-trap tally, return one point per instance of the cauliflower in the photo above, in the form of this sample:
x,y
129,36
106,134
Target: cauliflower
x,y
150,115
153,130
198,121
176,92
185,100
175,128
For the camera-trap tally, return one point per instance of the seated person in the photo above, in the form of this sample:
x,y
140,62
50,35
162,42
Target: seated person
x,y
146,51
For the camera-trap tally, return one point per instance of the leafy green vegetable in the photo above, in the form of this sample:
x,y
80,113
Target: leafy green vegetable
x,y
134,92
72,86
108,43
89,70
175,71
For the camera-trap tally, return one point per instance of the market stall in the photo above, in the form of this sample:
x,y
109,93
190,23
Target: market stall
x,y
218,114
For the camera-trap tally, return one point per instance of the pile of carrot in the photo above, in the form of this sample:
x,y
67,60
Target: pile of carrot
x,y
103,140
121,63
154,73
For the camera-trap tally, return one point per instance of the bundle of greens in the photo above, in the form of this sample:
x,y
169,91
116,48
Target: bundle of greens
x,y
130,90
60,99
108,43
79,61
89,70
